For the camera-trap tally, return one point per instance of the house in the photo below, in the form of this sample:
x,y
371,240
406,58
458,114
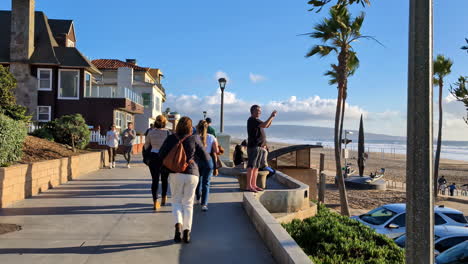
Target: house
x,y
53,77
145,81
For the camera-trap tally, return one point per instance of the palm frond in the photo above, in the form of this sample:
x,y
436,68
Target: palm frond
x,y
465,47
442,66
320,50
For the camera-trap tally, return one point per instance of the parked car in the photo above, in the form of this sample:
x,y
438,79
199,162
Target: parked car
x,y
455,255
445,237
390,219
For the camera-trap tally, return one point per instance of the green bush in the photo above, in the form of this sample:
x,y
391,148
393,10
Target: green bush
x,y
44,133
71,130
8,104
331,238
12,135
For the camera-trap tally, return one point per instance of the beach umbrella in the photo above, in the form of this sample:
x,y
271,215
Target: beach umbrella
x,y
361,161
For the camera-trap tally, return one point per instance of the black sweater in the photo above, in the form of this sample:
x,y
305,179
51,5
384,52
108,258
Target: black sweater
x,y
193,149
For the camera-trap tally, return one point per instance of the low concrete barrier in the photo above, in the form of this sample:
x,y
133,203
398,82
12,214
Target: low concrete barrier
x,y
21,181
281,245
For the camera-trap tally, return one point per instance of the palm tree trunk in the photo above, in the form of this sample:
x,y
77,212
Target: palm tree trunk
x,y
342,66
439,141
343,105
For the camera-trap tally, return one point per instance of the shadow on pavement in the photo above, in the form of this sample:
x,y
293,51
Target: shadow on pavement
x,y
87,250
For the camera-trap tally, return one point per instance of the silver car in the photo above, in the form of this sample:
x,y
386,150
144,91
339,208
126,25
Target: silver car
x,y
445,237
390,219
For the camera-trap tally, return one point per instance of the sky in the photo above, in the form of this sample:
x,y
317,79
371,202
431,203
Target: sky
x,y
257,47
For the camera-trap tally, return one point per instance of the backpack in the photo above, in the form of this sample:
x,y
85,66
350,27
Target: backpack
x,y
176,160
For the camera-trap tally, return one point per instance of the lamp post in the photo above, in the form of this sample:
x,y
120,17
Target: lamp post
x,y
222,85
204,115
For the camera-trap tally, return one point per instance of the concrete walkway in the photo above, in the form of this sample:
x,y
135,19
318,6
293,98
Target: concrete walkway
x,y
107,217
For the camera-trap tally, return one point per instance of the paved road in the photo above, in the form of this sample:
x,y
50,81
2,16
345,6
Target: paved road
x,y
106,217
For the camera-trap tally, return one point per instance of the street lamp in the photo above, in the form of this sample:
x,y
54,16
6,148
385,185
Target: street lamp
x,y
204,115
345,153
222,85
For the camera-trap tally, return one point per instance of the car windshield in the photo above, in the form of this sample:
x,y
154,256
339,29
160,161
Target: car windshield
x,y
456,254
460,218
377,216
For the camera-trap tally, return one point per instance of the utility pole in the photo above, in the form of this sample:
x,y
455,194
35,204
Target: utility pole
x,y
419,187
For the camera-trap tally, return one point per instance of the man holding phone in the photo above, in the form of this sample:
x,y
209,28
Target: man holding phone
x,y
256,146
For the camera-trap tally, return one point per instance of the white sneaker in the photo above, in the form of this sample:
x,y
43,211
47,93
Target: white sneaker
x,y
204,208
113,164
128,166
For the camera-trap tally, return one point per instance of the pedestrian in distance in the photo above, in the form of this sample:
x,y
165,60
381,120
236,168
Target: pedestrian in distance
x,y
149,129
179,153
112,142
256,145
210,144
238,154
211,129
153,143
452,189
128,139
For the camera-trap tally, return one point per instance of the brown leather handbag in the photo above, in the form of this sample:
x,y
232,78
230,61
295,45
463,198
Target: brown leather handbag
x,y
176,159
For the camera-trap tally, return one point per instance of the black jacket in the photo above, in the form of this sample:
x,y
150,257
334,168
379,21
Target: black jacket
x,y
193,149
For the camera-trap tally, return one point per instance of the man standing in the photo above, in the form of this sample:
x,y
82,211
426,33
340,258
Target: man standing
x,y
128,137
256,145
211,130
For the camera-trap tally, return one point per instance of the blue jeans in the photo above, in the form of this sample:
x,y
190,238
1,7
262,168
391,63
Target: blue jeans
x,y
203,187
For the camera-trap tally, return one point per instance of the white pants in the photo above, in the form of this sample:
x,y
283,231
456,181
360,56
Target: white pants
x,y
183,194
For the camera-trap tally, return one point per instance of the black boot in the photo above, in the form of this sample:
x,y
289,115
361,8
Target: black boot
x,y
178,233
186,236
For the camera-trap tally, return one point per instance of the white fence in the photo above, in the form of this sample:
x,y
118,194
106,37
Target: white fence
x,y
101,139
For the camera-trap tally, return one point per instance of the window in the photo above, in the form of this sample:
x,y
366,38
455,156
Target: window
x,y
118,119
129,119
88,83
146,99
377,216
69,83
43,113
44,79
438,220
445,244
400,220
158,104
457,217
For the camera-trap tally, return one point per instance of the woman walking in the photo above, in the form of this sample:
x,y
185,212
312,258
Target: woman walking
x,y
112,142
206,170
153,143
183,184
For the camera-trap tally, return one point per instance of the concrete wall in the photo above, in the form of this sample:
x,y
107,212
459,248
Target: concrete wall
x,y
307,176
18,182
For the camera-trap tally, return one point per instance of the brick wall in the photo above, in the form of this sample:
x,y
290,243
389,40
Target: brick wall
x,y
18,182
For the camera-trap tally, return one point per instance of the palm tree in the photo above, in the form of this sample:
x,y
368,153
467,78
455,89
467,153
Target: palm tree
x,y
321,3
465,47
461,92
337,33
442,68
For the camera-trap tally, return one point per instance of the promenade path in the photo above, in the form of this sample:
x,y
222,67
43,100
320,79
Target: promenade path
x,y
107,217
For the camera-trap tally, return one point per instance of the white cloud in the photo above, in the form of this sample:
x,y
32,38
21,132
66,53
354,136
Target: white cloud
x,y
255,78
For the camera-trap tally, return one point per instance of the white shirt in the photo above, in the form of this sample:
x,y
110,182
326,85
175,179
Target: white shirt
x,y
210,139
112,139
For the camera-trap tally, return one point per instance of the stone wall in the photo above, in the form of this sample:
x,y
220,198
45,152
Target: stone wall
x,y
21,181
307,176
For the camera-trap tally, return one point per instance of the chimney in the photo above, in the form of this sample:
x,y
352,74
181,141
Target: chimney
x,y
22,30
132,61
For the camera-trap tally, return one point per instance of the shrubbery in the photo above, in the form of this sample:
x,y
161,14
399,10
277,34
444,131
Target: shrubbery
x,y
12,135
8,104
331,238
71,130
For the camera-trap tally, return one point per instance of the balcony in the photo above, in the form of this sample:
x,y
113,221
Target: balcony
x,y
115,92
117,98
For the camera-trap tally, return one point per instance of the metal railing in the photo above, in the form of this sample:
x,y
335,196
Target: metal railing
x,y
115,92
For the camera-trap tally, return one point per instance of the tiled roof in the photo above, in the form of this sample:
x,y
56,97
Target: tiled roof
x,y
112,64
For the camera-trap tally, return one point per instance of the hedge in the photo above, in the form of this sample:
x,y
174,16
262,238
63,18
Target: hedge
x,y
331,238
12,136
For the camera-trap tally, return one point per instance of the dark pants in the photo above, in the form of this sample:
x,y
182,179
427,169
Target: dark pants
x,y
128,153
451,192
156,172
203,187
112,152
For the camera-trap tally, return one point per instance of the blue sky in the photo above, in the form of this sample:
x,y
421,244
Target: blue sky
x,y
193,40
